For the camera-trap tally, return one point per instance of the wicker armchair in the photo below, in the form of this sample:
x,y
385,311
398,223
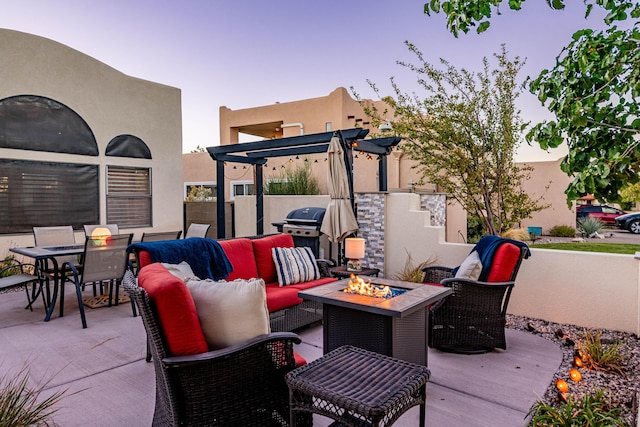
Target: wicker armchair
x,y
472,319
242,385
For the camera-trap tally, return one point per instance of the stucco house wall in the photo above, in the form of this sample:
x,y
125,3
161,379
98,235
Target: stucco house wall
x,y
549,182
112,104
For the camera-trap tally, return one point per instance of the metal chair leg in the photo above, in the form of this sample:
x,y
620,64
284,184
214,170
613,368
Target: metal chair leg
x,y
81,305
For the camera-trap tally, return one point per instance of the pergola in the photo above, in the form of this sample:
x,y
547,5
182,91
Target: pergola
x,y
257,153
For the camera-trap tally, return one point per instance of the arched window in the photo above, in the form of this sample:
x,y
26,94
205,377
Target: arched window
x,y
31,122
128,146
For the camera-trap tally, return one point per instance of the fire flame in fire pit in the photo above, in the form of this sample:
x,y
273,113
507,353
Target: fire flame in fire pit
x,y
358,286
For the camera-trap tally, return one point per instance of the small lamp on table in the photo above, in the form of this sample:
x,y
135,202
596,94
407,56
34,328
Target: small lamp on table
x,y
354,252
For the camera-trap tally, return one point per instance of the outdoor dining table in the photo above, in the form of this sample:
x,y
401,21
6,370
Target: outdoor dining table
x,y
49,253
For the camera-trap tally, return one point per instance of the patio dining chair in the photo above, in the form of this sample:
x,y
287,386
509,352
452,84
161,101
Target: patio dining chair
x,y
163,235
104,262
15,275
54,236
197,230
472,319
113,228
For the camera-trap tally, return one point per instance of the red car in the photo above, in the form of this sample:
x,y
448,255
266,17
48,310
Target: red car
x,y
604,213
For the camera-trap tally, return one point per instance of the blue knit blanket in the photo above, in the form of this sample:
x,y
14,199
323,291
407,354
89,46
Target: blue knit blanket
x,y
205,256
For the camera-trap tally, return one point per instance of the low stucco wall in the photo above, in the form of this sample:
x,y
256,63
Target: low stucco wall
x,y
586,289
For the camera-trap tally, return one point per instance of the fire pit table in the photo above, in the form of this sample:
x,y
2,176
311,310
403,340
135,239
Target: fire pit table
x,y
396,326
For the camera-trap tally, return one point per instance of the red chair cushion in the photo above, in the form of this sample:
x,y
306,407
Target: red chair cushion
x,y
300,361
175,309
504,261
240,254
264,259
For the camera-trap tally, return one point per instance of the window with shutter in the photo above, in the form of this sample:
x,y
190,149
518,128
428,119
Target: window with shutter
x,y
129,196
41,193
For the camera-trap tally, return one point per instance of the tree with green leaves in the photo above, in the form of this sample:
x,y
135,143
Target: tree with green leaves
x,y
199,193
593,92
463,133
629,195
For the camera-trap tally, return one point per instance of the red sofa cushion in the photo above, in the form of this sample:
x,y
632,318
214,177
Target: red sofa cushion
x,y
279,297
504,261
312,283
240,254
264,259
175,309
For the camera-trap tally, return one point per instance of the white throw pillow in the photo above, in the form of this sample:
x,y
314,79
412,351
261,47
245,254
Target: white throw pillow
x,y
295,265
182,270
230,312
470,268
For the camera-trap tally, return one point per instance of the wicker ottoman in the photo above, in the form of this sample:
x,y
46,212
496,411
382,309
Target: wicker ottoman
x,y
357,387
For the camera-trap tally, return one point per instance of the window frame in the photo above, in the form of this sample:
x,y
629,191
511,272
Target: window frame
x,y
114,196
245,184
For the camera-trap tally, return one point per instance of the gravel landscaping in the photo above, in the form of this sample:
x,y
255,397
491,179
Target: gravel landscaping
x,y
621,388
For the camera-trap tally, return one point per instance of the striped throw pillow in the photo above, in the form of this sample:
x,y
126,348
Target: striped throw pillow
x,y
295,265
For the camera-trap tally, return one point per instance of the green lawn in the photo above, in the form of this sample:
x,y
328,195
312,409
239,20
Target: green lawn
x,y
613,248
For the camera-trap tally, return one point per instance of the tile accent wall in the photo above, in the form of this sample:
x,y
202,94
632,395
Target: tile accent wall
x,y
370,209
437,205
370,213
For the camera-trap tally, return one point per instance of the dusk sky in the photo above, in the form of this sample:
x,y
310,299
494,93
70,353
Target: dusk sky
x,y
244,54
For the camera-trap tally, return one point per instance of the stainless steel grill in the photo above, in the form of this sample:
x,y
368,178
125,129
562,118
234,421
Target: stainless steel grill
x,y
304,225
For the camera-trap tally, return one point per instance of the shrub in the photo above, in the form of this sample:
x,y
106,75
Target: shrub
x,y
21,405
412,272
591,411
474,229
517,234
589,225
598,356
6,262
199,194
298,181
562,231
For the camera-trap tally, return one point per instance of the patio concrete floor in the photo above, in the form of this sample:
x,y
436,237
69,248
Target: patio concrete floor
x,y
109,383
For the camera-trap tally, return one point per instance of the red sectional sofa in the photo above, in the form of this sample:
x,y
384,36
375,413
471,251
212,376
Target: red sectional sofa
x,y
252,257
